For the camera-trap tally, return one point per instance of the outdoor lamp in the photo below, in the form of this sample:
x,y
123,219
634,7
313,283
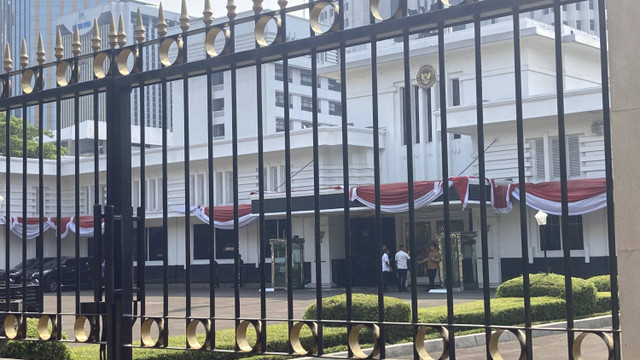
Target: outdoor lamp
x,y
541,217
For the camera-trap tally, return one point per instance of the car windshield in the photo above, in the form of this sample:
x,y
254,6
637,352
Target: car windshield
x,y
30,263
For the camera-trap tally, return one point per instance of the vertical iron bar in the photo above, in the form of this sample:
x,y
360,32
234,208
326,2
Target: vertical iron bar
x,y
316,189
611,234
486,291
564,223
165,208
445,185
110,325
262,238
410,200
97,216
40,238
24,208
234,141
345,171
524,241
7,230
141,211
187,189
76,198
287,169
376,183
58,211
213,274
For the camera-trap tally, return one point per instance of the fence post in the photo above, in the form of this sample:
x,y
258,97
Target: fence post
x,y
119,196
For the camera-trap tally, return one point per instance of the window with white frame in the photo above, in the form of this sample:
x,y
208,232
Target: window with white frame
x,y
192,190
551,233
219,185
152,203
228,186
201,187
154,244
414,107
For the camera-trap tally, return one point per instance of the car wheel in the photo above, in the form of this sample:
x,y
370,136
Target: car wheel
x,y
51,285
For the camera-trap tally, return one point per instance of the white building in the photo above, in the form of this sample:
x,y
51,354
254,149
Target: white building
x,y
585,148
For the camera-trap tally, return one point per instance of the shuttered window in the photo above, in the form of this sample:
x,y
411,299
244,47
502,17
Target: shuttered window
x,y
573,156
539,158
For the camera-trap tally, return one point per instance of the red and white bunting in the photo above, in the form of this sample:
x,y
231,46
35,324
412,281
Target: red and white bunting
x,y
223,216
583,196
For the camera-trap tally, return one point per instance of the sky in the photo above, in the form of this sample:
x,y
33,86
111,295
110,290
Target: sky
x,y
195,7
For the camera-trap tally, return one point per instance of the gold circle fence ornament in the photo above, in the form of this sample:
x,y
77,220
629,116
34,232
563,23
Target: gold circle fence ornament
x,y
192,334
576,350
165,48
426,77
61,73
314,18
210,41
354,342
418,342
494,350
13,326
242,340
295,338
48,327
80,333
145,332
451,3
374,7
29,81
260,31
101,65
122,61
6,87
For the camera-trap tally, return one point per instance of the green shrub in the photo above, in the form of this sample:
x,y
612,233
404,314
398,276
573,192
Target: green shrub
x,y
584,293
603,302
35,350
365,308
602,282
504,311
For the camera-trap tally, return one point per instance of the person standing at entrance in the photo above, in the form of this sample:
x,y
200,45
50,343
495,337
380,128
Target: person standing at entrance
x,y
402,262
433,264
386,268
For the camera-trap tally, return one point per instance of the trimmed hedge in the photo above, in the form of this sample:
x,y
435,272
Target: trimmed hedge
x,y
584,293
365,308
602,282
603,302
35,350
504,311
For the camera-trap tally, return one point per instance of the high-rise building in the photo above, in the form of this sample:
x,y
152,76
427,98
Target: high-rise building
x,y
25,19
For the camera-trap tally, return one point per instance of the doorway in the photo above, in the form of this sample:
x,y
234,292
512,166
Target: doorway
x,y
365,261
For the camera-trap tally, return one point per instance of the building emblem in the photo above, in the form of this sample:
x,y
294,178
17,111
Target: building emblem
x,y
426,77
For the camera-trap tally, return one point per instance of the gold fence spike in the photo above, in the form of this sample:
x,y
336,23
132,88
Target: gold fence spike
x,y
58,49
162,23
24,55
8,63
139,28
207,13
76,45
282,4
257,6
113,35
40,53
122,35
184,17
231,9
96,41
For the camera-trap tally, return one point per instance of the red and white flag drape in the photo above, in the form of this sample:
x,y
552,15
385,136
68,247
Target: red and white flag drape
x,y
223,216
394,198
583,196
17,226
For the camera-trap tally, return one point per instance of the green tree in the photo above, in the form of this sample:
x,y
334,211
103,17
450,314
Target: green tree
x,y
16,138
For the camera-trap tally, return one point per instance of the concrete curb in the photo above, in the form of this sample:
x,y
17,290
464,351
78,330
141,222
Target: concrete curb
x,y
474,340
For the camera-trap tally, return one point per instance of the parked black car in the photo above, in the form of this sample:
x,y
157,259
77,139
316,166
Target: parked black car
x,y
15,273
49,280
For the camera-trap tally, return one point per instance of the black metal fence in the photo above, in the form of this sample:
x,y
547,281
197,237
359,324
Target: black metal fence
x,y
119,235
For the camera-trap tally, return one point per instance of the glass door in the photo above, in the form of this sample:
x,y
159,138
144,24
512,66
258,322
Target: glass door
x,y
456,228
423,239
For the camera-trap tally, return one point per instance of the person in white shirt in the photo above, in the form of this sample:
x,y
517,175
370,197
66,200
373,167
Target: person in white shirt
x,y
402,262
387,275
